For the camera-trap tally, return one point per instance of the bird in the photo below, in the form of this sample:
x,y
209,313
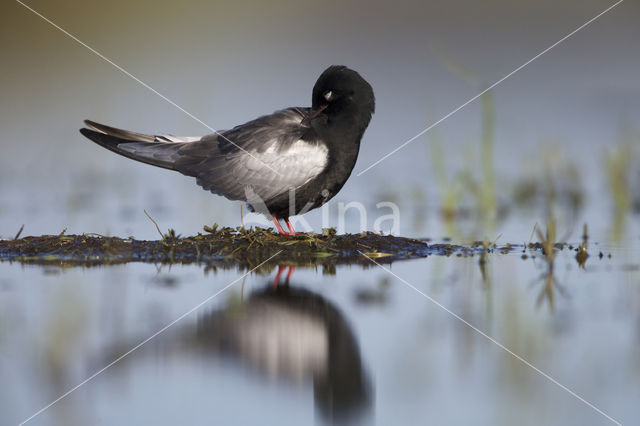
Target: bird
x,y
282,164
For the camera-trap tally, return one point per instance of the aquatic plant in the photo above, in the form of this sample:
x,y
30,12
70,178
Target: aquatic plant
x,y
581,251
548,244
554,183
482,191
618,168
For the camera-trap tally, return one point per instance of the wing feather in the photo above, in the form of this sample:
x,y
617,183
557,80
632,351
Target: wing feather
x,y
266,156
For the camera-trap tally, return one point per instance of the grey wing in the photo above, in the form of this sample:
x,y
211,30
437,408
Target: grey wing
x,y
264,157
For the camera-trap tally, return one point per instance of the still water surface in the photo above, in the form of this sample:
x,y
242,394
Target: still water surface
x,y
357,347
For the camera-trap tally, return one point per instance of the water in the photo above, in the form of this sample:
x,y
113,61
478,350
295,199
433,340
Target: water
x,y
359,346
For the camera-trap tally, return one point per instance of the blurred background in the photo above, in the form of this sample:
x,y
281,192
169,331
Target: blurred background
x,y
557,144
229,62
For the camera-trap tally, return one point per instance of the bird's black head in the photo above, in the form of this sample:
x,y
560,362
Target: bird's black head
x,y
342,97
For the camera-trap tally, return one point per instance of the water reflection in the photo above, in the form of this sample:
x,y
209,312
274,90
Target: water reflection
x,y
262,353
280,333
293,334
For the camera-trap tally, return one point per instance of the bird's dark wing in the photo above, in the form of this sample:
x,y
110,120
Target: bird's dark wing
x,y
282,129
262,158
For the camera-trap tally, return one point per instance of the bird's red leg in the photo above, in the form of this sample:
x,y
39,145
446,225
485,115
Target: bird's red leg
x,y
291,268
291,230
279,227
276,280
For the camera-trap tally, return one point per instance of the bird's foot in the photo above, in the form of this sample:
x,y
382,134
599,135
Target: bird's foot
x,y
292,232
282,232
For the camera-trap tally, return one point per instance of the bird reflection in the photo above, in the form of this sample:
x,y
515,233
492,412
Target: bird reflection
x,y
278,332
293,334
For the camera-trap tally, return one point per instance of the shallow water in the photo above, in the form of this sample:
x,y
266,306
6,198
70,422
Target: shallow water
x,y
360,346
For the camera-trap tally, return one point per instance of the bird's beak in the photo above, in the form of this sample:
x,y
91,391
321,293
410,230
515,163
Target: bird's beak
x,y
313,114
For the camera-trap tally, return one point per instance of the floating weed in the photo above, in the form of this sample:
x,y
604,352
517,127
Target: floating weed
x,y
377,255
493,244
211,229
547,242
228,247
288,243
533,232
582,254
155,223
329,232
171,235
168,239
482,263
322,254
19,232
489,247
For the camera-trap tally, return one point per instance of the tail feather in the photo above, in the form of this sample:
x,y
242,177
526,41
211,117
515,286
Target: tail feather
x,y
120,133
136,146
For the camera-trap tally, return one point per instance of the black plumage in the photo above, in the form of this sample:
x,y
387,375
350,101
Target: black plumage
x,y
282,164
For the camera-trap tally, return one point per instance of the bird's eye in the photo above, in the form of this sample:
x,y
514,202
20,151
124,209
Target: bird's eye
x,y
329,96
